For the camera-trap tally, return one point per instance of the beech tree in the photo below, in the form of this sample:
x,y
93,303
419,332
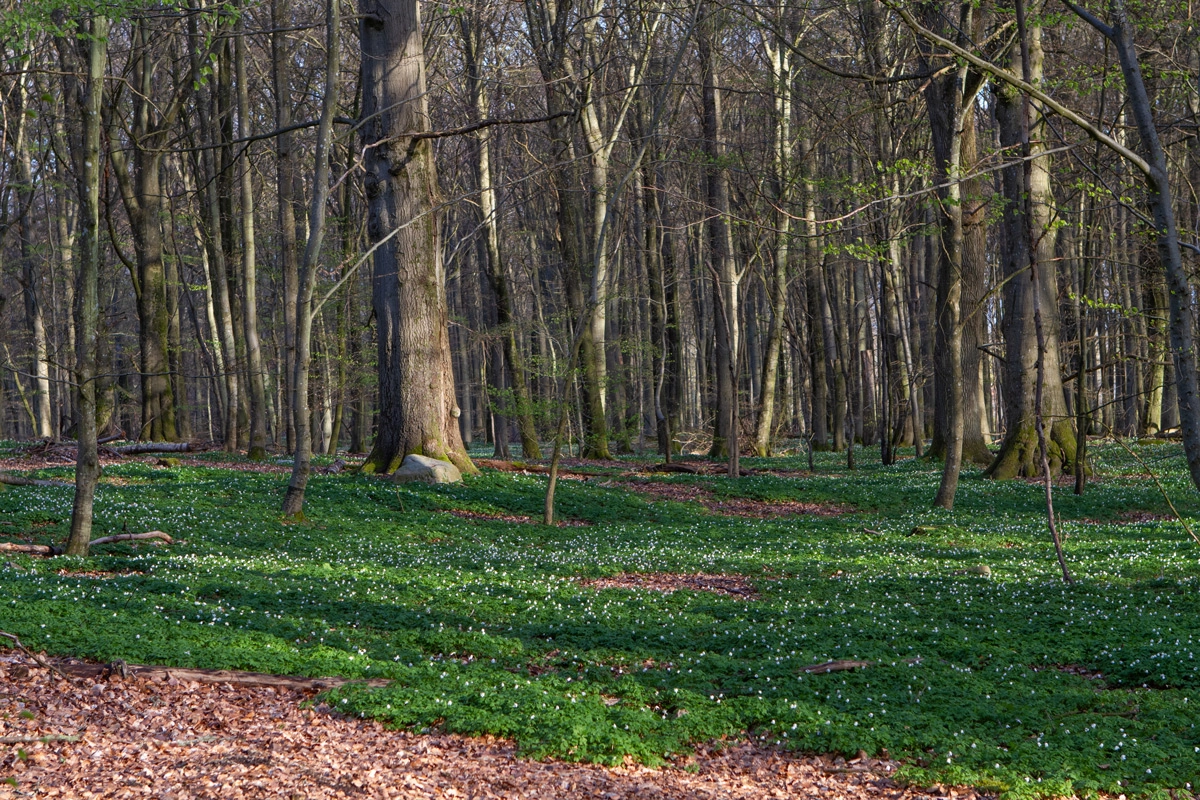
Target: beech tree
x,y
418,411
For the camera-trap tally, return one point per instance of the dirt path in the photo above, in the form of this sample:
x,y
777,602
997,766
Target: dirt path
x,y
169,739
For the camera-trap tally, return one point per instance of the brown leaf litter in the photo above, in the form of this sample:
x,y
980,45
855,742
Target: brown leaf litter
x,y
668,582
180,739
729,506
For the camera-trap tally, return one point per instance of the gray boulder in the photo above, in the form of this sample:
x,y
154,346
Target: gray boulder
x,y
423,469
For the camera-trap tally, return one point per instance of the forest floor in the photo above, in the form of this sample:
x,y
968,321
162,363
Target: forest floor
x,y
785,633
184,739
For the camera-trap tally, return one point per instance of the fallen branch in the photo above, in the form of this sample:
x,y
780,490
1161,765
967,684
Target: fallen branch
x,y
49,737
127,537
841,665
153,447
112,437
51,550
17,480
233,677
37,659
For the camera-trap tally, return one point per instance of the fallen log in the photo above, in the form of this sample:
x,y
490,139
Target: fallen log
x,y
51,550
31,549
153,447
675,466
17,480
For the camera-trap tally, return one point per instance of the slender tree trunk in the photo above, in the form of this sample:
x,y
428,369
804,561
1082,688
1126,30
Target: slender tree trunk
x,y
87,311
287,179
31,278
725,276
293,501
781,66
258,398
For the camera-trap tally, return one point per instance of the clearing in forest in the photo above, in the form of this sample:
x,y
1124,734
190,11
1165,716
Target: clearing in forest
x,y
661,624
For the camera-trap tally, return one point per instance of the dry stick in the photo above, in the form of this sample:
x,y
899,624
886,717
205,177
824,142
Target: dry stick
x,y
1157,483
40,661
232,677
32,549
44,739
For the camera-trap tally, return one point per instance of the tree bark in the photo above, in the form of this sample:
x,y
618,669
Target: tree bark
x,y
1018,455
417,408
293,500
496,270
725,276
87,310
257,450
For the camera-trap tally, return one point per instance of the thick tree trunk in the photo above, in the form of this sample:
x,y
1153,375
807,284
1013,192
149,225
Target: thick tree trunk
x,y
141,192
418,412
1018,456
962,258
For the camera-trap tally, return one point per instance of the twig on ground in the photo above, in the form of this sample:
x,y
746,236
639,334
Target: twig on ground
x,y
38,659
34,739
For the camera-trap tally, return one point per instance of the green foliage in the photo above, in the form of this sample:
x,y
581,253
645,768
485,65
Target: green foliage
x,y
1014,683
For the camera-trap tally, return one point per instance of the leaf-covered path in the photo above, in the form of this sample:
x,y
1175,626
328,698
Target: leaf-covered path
x,y
172,739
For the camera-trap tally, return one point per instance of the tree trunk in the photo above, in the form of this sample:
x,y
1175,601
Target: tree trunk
x,y
725,277
418,412
1018,456
496,270
293,500
781,66
87,310
287,178
257,450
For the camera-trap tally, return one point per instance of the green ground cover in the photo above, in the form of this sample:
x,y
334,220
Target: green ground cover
x,y
1014,683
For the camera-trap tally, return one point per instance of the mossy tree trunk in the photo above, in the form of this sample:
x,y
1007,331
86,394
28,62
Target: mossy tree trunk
x,y
1018,456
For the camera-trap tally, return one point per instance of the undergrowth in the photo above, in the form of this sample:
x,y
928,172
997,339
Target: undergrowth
x,y
1015,684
